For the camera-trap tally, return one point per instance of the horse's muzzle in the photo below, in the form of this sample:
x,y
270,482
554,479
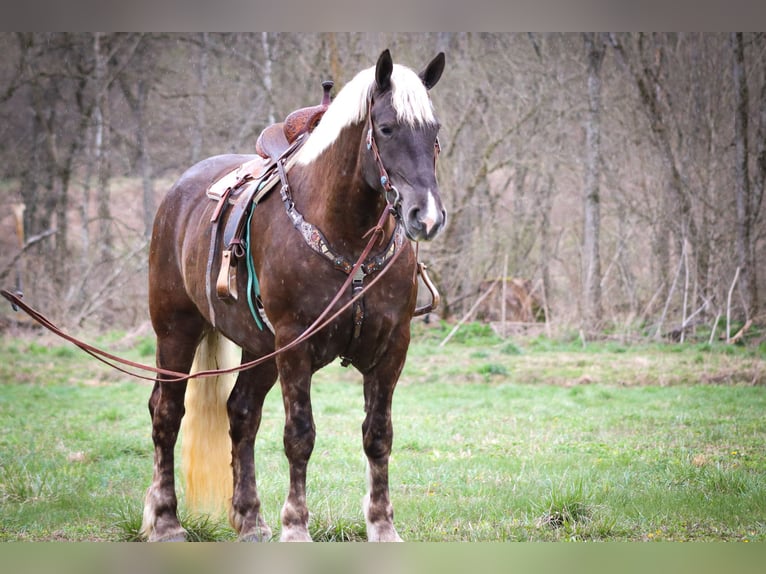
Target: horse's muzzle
x,y
424,222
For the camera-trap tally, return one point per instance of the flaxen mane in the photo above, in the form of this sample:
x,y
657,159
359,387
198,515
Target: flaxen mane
x,y
409,97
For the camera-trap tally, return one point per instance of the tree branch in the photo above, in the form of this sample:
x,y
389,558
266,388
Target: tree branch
x,y
27,245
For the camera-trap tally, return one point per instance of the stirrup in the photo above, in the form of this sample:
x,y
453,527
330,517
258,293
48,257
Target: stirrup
x,y
435,297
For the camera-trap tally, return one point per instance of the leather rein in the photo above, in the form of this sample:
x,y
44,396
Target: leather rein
x,y
376,233
175,376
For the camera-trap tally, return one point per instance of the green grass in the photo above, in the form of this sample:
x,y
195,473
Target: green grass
x,y
494,441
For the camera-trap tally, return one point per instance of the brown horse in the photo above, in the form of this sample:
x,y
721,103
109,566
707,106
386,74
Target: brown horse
x,y
372,151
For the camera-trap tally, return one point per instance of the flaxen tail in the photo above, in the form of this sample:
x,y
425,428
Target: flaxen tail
x,y
205,442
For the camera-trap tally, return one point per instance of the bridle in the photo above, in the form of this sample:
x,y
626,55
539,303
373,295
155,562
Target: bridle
x,y
391,193
393,197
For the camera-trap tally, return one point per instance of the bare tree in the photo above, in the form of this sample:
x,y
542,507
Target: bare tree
x,y
102,145
645,69
760,169
60,132
602,190
201,97
595,47
144,77
744,227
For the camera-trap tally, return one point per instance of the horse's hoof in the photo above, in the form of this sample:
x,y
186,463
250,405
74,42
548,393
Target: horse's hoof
x,y
382,533
295,534
261,535
176,535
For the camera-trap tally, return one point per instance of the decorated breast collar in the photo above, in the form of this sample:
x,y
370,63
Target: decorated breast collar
x,y
315,239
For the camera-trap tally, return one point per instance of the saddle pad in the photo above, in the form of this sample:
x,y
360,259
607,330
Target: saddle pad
x,y
254,168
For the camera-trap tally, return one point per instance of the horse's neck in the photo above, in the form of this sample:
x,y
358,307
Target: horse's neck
x,y
340,202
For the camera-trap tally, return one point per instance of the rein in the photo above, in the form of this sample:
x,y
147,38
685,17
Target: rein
x,y
114,361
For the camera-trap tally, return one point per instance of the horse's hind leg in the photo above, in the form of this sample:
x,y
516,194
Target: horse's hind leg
x,y
244,407
175,351
377,438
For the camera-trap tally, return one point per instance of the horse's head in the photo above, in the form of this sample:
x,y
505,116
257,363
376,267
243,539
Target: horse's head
x,y
401,137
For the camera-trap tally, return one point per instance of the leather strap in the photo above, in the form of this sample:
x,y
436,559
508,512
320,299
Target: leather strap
x,y
174,376
226,284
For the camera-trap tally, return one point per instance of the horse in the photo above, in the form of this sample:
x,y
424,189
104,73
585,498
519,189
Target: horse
x,y
368,164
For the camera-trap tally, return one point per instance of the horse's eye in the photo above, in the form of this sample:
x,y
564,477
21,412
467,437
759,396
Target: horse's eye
x,y
386,130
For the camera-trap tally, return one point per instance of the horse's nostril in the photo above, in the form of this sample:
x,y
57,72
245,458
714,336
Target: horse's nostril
x,y
414,215
423,221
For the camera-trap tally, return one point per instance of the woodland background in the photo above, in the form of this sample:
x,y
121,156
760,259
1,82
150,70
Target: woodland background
x,y
622,175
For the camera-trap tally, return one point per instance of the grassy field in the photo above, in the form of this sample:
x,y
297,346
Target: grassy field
x,y
516,440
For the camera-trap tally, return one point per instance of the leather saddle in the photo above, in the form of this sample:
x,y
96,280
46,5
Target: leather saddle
x,y
249,182
271,145
275,139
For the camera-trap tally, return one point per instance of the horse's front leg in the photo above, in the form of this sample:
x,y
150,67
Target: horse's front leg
x,y
377,438
299,434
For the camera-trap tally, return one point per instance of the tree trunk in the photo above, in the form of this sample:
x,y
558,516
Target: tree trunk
x,y
144,159
591,260
267,76
102,143
336,70
545,209
518,216
759,179
760,173
741,175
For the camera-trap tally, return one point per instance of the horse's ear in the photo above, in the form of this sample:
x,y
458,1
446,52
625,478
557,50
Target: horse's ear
x,y
433,71
383,71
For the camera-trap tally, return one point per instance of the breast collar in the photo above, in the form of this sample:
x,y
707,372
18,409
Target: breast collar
x,y
316,240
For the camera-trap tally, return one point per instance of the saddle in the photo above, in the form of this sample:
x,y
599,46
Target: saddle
x,y
237,190
275,139
271,145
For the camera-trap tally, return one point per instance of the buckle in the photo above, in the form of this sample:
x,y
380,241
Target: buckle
x,y
358,278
